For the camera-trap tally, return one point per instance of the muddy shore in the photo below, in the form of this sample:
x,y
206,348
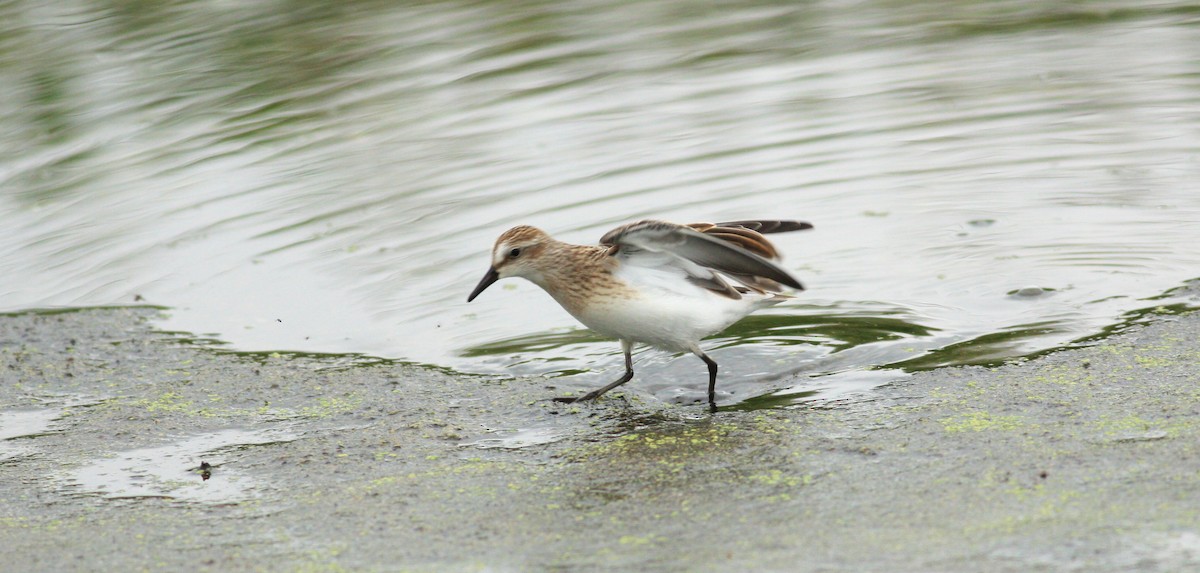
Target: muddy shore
x,y
1081,460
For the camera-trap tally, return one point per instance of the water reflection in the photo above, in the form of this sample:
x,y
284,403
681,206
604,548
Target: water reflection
x,y
173,471
329,177
16,424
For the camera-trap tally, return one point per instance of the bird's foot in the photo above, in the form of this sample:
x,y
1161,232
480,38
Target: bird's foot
x,y
573,399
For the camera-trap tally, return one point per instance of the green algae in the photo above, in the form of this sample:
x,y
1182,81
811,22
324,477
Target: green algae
x,y
941,471
980,422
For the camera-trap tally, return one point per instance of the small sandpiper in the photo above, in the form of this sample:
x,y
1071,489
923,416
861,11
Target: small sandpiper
x,y
653,282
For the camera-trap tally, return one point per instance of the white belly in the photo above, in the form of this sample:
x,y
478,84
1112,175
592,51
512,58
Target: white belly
x,y
666,320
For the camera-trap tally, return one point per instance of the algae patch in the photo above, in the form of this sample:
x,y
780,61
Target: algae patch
x,y
980,422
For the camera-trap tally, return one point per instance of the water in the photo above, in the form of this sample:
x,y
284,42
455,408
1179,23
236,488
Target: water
x,y
987,179
17,424
174,471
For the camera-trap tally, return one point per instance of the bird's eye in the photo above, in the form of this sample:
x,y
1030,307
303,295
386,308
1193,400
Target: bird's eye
x,y
514,253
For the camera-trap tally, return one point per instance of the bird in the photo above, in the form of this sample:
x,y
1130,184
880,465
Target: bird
x,y
666,285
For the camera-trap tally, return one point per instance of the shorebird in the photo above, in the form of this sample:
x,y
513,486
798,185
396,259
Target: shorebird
x,y
652,282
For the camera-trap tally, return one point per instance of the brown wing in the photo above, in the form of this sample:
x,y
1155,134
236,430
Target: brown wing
x,y
766,226
749,235
735,251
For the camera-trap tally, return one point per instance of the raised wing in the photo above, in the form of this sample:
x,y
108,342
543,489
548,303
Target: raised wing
x,y
765,226
749,234
733,249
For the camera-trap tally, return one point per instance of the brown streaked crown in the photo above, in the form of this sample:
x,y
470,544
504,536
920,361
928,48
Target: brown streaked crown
x,y
522,235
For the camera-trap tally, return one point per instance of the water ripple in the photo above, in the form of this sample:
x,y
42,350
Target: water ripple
x,y
347,167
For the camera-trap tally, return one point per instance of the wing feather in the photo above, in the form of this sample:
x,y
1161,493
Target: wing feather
x,y
766,226
733,249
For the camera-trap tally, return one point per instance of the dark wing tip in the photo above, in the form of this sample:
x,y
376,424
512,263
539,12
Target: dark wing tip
x,y
734,248
769,225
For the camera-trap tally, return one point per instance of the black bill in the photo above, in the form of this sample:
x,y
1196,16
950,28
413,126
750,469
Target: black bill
x,y
491,277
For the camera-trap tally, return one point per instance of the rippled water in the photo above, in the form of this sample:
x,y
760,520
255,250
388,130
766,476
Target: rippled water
x,y
987,179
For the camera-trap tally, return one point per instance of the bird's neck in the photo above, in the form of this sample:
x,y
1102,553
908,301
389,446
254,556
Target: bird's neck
x,y
576,274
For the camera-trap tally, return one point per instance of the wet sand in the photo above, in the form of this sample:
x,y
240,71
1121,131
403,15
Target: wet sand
x,y
1081,460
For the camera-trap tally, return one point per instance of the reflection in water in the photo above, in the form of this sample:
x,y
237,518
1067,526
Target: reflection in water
x,y
170,471
16,424
518,438
329,177
19,427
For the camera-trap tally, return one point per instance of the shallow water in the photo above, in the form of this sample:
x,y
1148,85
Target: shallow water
x,y
987,179
16,424
174,471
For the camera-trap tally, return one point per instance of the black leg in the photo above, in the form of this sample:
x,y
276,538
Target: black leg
x,y
712,383
628,347
712,378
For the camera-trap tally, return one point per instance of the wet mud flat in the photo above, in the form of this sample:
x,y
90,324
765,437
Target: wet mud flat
x,y
123,448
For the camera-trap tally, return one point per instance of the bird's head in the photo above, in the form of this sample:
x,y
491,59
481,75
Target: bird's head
x,y
517,253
